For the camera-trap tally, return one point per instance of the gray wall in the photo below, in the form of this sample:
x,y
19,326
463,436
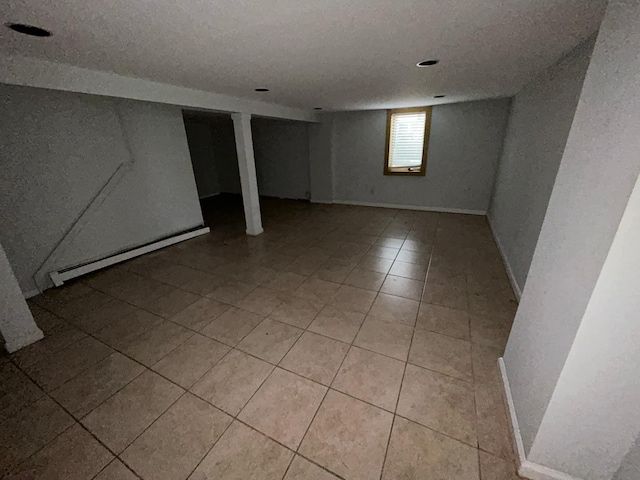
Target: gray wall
x,y
59,149
630,468
200,138
281,150
597,173
541,116
464,149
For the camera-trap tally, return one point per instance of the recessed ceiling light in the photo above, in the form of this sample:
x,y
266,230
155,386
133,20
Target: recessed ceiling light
x,y
317,108
29,30
427,63
439,96
262,89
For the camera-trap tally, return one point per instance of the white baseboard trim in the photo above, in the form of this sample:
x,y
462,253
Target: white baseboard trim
x,y
209,195
412,207
60,277
526,469
325,202
31,293
505,261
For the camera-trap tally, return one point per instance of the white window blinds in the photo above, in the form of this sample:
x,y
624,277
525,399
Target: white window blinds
x,y
406,139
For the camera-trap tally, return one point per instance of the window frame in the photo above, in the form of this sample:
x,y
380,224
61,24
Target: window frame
x,y
404,171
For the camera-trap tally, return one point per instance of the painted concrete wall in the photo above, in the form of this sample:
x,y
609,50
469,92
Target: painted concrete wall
x,y
597,174
630,468
200,139
464,149
593,417
59,150
320,160
17,327
539,123
281,151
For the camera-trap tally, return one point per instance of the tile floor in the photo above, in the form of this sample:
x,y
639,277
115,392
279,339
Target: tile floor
x,y
344,342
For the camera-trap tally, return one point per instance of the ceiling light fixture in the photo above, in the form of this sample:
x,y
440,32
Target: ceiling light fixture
x,y
317,108
439,96
262,89
29,30
427,63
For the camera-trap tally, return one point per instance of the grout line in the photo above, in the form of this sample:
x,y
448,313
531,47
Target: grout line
x,y
340,226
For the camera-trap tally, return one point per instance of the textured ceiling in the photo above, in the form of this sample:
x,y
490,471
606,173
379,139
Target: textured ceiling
x,y
335,54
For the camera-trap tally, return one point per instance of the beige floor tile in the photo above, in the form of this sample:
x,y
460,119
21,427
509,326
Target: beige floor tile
x,y
415,271
306,264
203,283
102,316
389,242
188,362
332,272
256,274
303,469
417,453
262,301
409,256
121,332
370,377
446,296
116,470
485,365
492,332
173,274
403,287
315,357
29,430
388,338
375,264
16,390
492,421
231,292
296,311
317,290
285,281
170,304
172,447
383,252
348,437
59,337
56,369
495,468
80,304
152,345
337,324
283,407
442,354
200,313
439,402
417,246
353,299
231,383
74,455
120,419
395,309
447,321
89,389
270,341
232,326
367,279
243,453
499,306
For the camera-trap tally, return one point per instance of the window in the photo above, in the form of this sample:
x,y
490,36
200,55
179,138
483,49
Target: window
x,y
407,141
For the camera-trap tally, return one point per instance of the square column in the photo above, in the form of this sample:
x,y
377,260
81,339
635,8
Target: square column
x,y
247,167
16,322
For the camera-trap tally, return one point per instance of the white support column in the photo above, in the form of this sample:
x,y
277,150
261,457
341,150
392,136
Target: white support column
x,y
247,167
16,322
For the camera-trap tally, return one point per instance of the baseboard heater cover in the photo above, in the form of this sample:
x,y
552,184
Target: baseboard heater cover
x,y
59,277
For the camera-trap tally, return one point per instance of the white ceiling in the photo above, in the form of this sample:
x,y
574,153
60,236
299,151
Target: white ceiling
x,y
335,54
